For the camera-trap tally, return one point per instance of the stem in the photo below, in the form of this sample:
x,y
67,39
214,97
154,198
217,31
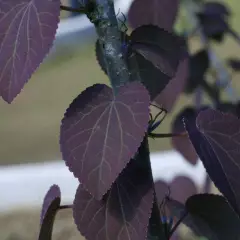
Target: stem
x,y
155,227
106,24
73,10
207,186
177,224
65,207
167,135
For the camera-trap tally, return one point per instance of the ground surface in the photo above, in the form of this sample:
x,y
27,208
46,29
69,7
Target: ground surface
x,y
29,128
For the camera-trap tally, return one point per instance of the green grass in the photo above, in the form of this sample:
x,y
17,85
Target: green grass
x,y
29,127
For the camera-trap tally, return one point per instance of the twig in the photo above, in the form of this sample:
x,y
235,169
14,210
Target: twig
x,y
74,10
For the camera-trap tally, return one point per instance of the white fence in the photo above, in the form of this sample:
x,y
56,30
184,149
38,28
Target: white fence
x,y
26,185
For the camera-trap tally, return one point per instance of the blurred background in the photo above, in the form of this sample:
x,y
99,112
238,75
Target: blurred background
x,y
29,127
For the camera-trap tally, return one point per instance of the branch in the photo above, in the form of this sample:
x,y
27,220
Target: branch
x,y
74,10
104,18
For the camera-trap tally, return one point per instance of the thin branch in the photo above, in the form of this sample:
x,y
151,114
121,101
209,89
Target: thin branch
x,y
65,207
74,10
177,224
167,135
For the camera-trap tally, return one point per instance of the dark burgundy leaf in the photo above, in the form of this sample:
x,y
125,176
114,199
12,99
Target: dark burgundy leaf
x,y
151,77
215,8
175,87
198,65
216,139
100,132
161,13
208,215
234,63
213,26
183,144
160,47
28,29
124,211
181,188
50,207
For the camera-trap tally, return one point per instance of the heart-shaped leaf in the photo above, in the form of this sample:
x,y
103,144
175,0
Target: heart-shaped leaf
x,y
216,138
50,207
175,87
162,48
124,211
161,13
100,133
28,30
208,215
183,144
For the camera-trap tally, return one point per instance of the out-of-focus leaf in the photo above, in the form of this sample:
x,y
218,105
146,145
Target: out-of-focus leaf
x,y
100,133
216,138
215,8
161,13
28,30
213,26
208,215
162,48
198,65
124,211
234,63
50,207
183,144
175,87
181,188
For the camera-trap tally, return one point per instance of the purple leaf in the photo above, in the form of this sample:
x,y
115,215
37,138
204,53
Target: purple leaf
x,y
208,215
215,8
124,211
182,188
183,144
176,85
28,29
161,13
216,139
100,133
198,66
151,77
50,207
213,26
162,48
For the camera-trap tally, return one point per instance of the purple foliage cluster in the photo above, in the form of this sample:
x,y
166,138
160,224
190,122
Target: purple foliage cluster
x,y
105,130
